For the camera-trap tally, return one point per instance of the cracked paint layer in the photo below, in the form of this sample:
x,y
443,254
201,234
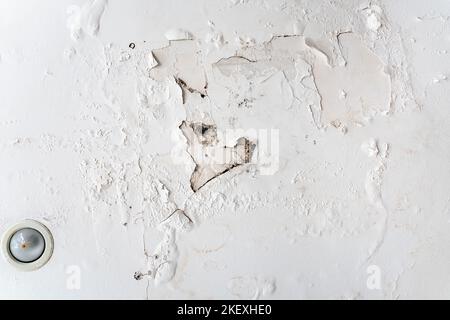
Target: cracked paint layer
x,y
143,138
211,158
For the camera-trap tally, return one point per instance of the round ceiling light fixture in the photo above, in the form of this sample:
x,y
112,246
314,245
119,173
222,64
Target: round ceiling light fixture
x,y
27,245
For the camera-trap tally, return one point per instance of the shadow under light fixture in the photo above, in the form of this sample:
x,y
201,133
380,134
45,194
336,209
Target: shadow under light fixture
x,y
27,245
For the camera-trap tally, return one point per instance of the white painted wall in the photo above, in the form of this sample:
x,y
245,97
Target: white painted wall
x,y
90,145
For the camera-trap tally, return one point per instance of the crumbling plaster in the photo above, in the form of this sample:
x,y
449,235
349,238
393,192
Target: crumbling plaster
x,y
228,149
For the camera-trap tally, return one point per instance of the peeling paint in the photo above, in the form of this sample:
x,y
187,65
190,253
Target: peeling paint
x,y
259,150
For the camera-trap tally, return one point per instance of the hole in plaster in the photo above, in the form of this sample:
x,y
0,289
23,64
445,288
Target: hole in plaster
x,y
211,159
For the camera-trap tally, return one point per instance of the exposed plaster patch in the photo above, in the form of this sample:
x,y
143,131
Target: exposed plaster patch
x,y
178,34
185,88
180,61
211,158
363,79
152,62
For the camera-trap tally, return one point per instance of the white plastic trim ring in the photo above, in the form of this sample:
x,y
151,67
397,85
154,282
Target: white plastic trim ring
x,y
44,257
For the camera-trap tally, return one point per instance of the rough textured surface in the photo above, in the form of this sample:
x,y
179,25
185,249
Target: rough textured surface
x,y
228,149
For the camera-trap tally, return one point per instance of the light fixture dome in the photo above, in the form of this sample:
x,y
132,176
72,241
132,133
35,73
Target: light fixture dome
x,y
28,245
